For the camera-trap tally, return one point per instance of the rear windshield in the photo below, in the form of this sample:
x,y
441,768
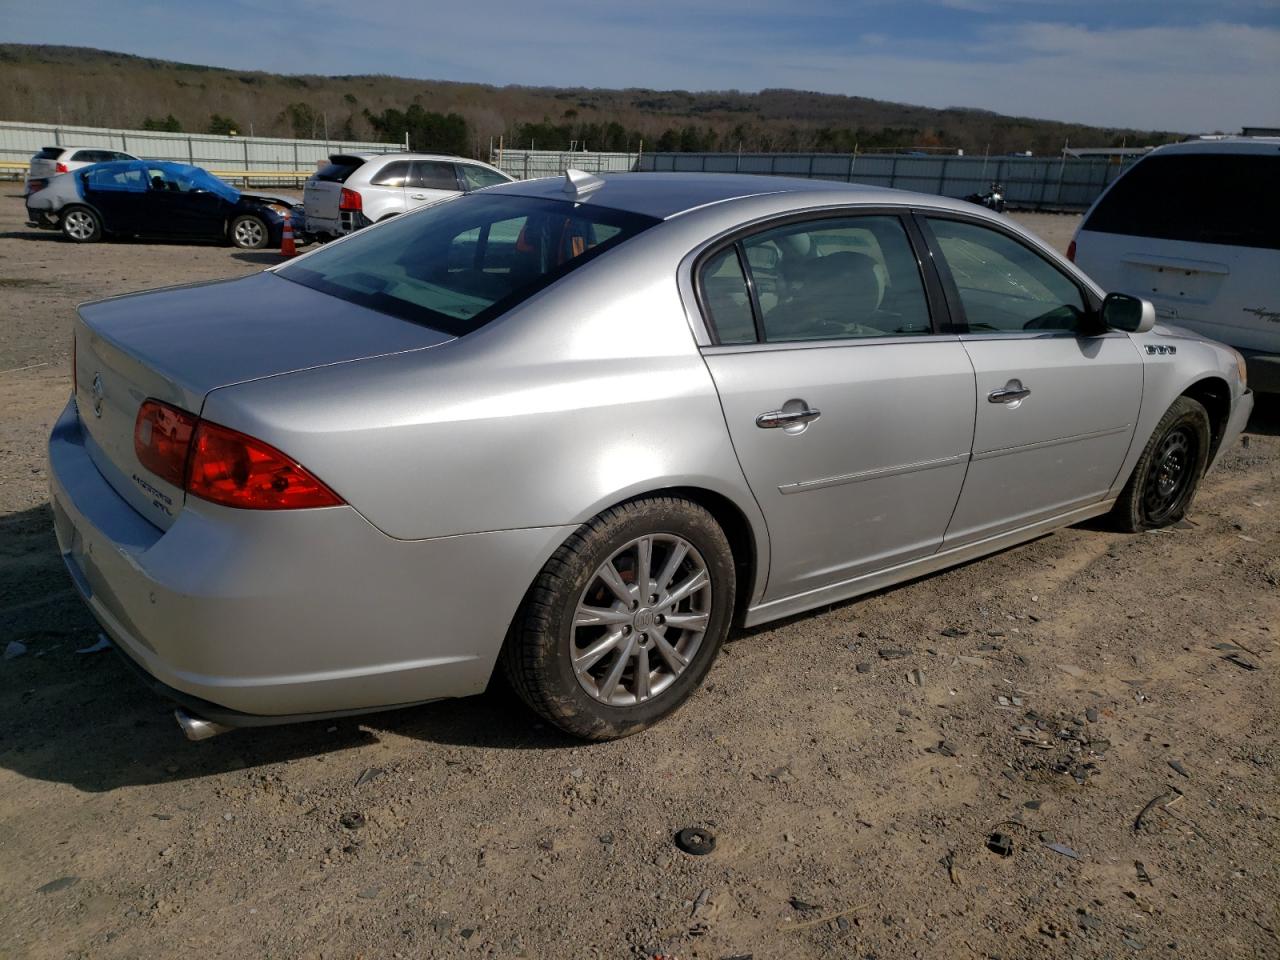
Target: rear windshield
x,y
1218,198
49,153
456,266
339,168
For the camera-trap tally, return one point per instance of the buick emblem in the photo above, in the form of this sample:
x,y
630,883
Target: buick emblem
x,y
98,393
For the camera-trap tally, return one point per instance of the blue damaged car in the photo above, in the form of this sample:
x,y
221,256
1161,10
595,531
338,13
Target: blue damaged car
x,y
157,199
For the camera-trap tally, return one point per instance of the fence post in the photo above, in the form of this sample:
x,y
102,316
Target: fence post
x,y
942,176
124,142
1044,185
191,153
526,165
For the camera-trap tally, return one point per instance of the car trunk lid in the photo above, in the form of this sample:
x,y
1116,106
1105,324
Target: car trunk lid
x,y
178,344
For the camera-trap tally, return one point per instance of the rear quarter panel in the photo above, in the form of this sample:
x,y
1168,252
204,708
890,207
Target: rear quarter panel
x,y
589,393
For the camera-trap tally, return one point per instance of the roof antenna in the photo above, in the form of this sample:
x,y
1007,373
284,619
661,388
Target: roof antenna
x,y
578,183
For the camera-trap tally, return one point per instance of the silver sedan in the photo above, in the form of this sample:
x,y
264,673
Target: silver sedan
x,y
580,428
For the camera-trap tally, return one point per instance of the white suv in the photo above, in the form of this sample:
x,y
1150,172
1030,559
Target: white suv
x,y
354,190
51,161
1195,228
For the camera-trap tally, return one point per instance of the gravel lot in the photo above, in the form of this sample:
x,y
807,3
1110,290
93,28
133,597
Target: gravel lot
x,y
1063,686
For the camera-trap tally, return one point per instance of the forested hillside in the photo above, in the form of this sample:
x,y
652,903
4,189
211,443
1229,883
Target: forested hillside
x,y
74,85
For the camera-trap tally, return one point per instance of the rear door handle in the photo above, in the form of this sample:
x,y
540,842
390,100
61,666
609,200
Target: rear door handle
x,y
1012,392
787,418
417,196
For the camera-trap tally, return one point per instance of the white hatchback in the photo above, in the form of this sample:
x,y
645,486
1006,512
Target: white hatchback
x,y
1194,227
51,161
354,190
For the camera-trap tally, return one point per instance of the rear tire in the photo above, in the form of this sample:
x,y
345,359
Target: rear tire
x,y
599,665
1168,473
81,225
248,232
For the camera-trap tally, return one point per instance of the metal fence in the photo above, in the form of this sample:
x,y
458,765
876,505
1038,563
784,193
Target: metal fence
x,y
527,164
262,159
1030,183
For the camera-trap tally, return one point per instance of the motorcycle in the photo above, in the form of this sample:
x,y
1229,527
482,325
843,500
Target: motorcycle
x,y
993,199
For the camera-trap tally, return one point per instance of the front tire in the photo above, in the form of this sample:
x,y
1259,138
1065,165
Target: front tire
x,y
625,619
1168,473
248,233
81,225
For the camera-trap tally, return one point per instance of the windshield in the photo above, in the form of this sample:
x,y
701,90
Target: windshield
x,y
457,265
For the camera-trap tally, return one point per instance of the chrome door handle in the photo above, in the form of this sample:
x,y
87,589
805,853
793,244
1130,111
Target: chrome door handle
x,y
417,196
787,418
1011,392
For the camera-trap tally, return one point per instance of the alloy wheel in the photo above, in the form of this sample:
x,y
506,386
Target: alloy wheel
x,y
640,620
249,233
79,225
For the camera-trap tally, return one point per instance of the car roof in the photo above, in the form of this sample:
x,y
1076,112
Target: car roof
x,y
64,148
666,195
407,155
1221,145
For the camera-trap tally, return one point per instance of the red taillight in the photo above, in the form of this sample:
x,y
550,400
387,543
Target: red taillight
x,y
61,168
222,465
1071,251
162,438
349,200
236,470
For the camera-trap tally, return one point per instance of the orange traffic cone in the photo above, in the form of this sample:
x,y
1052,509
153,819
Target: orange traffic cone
x,y
287,247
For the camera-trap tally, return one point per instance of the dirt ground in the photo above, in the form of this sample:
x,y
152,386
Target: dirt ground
x,y
1062,687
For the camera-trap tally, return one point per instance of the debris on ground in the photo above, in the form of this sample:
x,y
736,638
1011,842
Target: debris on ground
x,y
14,649
893,653
1178,768
101,644
696,841
1063,849
1000,843
353,820
368,775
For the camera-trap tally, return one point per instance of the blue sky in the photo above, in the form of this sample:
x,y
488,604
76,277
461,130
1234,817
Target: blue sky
x,y
1176,64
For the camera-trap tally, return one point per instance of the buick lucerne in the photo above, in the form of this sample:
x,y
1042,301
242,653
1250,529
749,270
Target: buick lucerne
x,y
575,429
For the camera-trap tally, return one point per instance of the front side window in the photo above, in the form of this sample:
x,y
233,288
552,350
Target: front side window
x,y
831,279
477,178
1004,285
1181,198
433,175
455,266
392,175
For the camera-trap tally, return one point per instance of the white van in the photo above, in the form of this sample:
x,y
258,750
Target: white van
x,y
1195,228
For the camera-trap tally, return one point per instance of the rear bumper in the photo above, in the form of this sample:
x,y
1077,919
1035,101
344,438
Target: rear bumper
x,y
42,219
251,617
347,221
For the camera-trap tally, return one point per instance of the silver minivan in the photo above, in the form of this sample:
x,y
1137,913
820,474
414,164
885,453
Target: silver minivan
x,y
1194,227
354,190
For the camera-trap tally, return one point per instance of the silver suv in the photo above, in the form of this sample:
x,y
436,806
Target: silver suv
x,y
354,190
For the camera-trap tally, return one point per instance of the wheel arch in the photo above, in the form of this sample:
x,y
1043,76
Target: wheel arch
x,y
743,525
1214,394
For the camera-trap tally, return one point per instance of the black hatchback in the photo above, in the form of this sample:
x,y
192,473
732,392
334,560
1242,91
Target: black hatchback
x,y
157,199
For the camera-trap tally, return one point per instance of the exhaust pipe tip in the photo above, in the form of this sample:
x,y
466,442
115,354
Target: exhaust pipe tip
x,y
195,728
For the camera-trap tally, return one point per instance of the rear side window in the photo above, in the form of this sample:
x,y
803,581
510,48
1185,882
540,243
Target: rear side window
x,y
1222,198
130,180
830,279
477,178
392,175
457,265
339,168
433,175
49,153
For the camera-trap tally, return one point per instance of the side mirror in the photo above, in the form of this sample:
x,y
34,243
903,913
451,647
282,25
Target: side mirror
x,y
1123,312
